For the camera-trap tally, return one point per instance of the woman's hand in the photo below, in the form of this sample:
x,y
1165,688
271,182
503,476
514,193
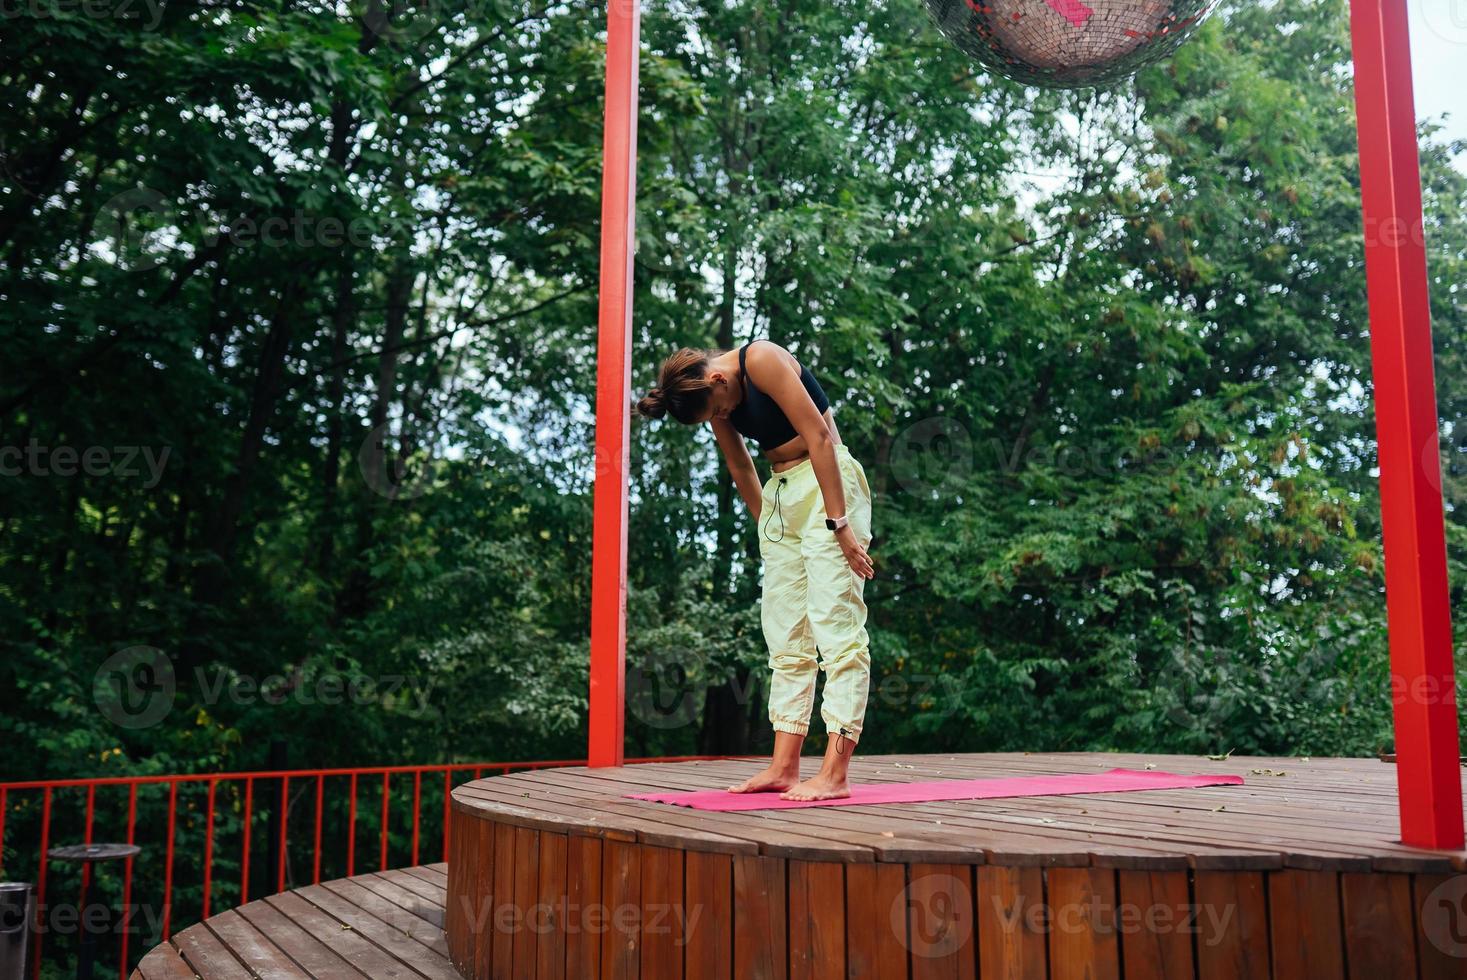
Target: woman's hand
x,y
856,556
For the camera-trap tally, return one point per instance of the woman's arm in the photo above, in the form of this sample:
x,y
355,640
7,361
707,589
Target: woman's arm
x,y
740,466
772,370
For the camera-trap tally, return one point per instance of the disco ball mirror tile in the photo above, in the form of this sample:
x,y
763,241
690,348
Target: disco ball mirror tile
x,y
1067,43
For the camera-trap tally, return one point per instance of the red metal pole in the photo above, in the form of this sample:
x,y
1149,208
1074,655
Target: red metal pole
x,y
386,796
132,830
209,848
316,859
417,811
613,387
447,803
351,830
87,836
41,877
284,822
244,861
1428,777
168,861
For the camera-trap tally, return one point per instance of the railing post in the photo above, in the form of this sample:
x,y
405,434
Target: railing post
x,y
613,387
1428,777
277,760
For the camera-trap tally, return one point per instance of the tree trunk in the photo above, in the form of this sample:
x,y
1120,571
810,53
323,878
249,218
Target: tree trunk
x,y
342,317
223,529
354,597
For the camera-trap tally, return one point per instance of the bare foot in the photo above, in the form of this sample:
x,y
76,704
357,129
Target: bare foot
x,y
768,780
821,787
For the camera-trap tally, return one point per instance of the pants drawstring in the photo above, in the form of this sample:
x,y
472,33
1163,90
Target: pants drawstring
x,y
768,520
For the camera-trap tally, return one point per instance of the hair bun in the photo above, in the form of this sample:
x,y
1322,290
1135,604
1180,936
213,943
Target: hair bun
x,y
653,406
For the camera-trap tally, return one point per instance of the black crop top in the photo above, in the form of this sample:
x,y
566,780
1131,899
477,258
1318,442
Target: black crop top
x,y
759,416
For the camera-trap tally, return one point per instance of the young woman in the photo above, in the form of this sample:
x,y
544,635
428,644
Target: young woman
x,y
814,519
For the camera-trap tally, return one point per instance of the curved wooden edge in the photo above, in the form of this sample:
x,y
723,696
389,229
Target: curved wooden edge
x,y
754,915
163,963
380,924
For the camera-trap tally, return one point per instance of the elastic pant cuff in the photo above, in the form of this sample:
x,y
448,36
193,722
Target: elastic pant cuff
x,y
801,728
850,732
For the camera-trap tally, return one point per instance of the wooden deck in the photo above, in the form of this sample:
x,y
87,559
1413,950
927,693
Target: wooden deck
x,y
369,927
1297,873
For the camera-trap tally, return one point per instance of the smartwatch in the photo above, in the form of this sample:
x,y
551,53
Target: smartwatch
x,y
835,524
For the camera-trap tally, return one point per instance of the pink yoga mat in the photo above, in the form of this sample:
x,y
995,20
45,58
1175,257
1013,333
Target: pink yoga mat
x,y
865,794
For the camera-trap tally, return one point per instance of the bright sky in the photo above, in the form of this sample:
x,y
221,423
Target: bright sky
x,y
1438,54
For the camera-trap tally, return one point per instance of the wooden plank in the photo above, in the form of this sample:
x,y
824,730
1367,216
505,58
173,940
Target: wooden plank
x,y
876,920
314,956
550,950
1238,949
1157,923
461,904
429,892
710,910
760,918
428,911
1011,923
583,892
817,943
486,802
621,882
1210,831
1440,903
484,936
162,962
1082,937
207,956
251,947
1379,925
1304,924
505,855
940,929
522,923
433,874
413,926
380,933
1226,841
661,913
363,955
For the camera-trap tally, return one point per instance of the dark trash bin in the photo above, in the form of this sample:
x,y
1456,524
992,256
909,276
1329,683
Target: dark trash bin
x,y
17,929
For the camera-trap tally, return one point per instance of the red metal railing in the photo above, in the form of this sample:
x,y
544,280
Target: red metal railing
x,y
34,804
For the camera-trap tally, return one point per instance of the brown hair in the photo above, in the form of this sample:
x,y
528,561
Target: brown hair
x,y
682,387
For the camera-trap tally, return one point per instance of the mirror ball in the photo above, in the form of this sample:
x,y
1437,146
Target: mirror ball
x,y
1067,43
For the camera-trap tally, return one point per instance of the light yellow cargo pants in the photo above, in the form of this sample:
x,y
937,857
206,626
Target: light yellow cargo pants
x,y
813,604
